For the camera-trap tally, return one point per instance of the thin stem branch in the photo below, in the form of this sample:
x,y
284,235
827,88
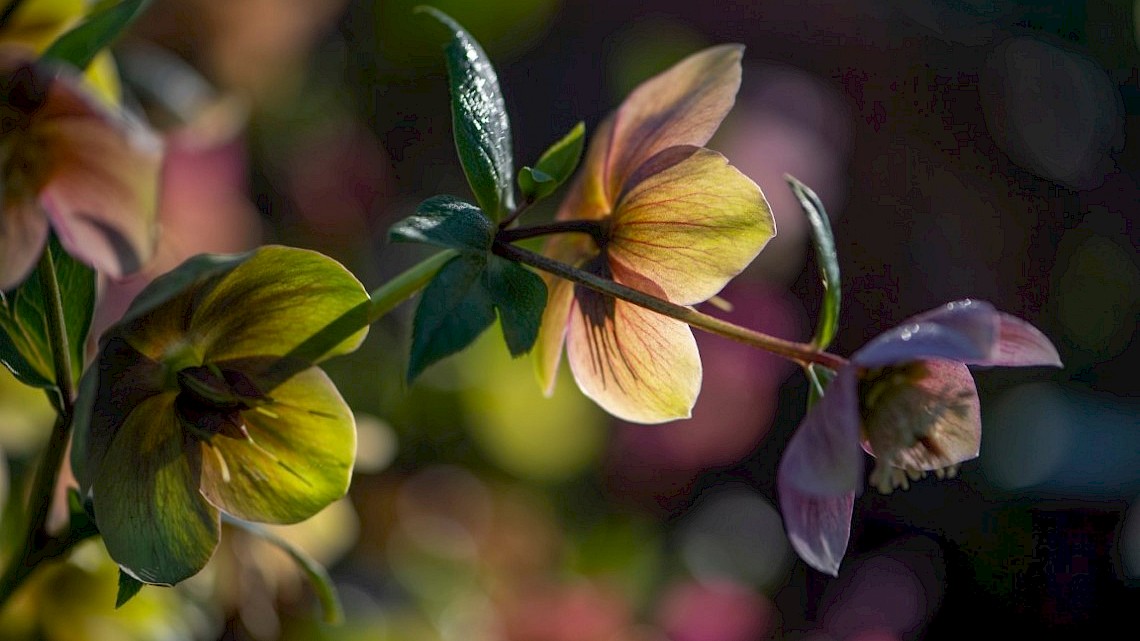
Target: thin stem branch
x,y
9,11
386,297
798,352
591,227
36,541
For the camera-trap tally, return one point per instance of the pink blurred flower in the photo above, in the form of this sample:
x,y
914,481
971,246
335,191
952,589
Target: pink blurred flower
x,y
716,611
908,398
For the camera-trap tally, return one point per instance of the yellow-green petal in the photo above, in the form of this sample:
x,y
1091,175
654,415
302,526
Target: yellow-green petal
x,y
552,332
273,302
155,523
636,364
297,461
689,222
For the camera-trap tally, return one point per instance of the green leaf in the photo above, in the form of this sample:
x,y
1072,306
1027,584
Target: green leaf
x,y
79,46
319,577
454,310
479,116
129,586
446,221
24,345
554,166
819,377
826,257
520,297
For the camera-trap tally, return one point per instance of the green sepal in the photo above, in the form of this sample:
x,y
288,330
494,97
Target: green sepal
x,y
461,302
819,377
316,573
79,46
446,221
129,586
828,261
25,348
479,116
554,166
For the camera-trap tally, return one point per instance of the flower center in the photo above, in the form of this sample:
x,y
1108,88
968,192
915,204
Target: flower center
x,y
210,401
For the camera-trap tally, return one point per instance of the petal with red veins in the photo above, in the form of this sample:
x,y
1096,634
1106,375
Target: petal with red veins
x,y
1021,344
636,364
689,222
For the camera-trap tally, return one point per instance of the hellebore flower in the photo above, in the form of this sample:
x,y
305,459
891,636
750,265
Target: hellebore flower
x,y
673,220
69,162
908,399
198,403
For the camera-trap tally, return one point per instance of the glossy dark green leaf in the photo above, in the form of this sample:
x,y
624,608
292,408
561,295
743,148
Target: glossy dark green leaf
x,y
479,115
519,296
80,45
819,378
828,261
454,310
129,586
554,166
319,577
446,221
24,345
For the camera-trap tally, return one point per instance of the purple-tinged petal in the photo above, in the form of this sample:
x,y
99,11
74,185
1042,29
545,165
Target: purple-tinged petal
x,y
1021,344
964,331
23,233
818,527
823,456
935,423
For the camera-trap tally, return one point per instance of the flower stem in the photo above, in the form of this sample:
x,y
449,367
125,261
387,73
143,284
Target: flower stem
x,y
800,353
385,298
9,11
36,541
591,227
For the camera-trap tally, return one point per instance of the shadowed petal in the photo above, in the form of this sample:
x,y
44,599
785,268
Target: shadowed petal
x,y
681,106
272,302
963,331
818,527
638,365
1021,344
155,523
23,235
936,428
552,332
823,457
587,198
102,189
299,458
689,222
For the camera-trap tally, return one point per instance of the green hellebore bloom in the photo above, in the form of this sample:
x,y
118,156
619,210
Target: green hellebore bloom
x,y
205,398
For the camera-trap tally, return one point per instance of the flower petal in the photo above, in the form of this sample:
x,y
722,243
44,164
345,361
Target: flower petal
x,y
637,365
299,458
552,332
944,430
689,222
274,301
823,457
23,235
682,106
818,527
965,331
155,523
1021,344
102,187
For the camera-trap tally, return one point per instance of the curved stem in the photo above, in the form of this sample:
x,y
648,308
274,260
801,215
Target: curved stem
x,y
799,352
592,227
37,545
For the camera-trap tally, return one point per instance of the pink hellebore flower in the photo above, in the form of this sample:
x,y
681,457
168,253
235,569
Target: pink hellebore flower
x,y
908,399
674,220
67,161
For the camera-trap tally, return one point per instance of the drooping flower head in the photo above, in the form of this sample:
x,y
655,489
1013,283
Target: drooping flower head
x,y
675,220
198,403
908,399
69,162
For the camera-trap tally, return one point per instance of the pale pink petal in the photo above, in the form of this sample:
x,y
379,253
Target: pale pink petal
x,y
23,234
636,364
689,222
823,456
587,198
101,189
940,427
1021,344
552,332
682,106
818,527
